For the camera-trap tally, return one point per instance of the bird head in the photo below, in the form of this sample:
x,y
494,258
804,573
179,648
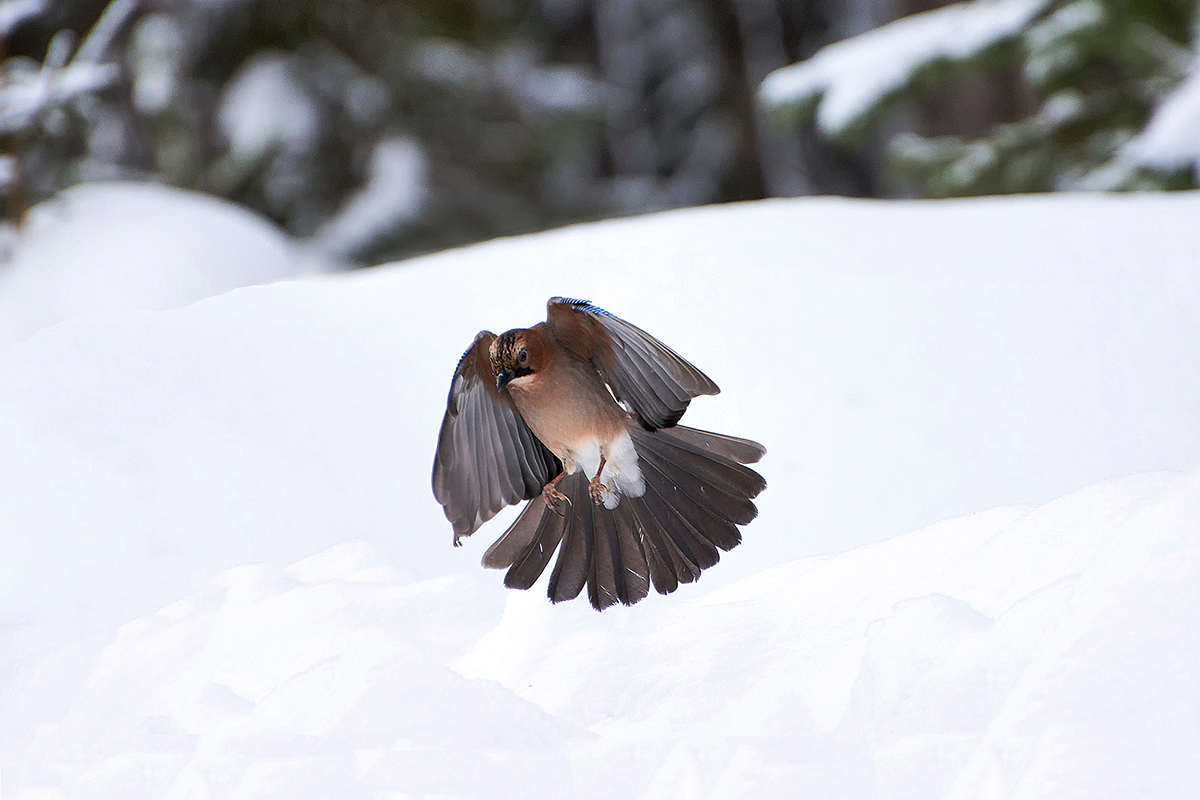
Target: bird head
x,y
512,357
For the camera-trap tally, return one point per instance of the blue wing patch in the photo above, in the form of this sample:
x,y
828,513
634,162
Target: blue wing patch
x,y
580,305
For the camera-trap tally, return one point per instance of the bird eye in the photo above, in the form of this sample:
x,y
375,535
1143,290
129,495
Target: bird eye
x,y
522,355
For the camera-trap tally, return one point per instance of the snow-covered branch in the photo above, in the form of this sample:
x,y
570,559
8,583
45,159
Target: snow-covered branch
x,y
26,93
1172,138
844,84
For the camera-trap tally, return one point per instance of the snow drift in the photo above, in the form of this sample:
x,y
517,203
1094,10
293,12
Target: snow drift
x,y
1048,652
225,574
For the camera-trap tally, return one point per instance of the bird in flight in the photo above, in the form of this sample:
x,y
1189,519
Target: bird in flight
x,y
578,415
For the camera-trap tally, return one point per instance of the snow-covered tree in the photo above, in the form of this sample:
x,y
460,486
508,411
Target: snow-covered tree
x,y
386,127
44,106
1085,78
383,127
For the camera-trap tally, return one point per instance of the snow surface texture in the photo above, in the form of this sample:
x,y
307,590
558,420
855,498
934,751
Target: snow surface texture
x,y
225,574
852,77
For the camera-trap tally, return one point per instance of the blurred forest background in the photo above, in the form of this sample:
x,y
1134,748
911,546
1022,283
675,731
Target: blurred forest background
x,y
383,128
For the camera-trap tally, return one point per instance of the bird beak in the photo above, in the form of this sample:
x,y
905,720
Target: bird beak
x,y
502,379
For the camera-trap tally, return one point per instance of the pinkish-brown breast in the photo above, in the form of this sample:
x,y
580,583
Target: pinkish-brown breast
x,y
568,407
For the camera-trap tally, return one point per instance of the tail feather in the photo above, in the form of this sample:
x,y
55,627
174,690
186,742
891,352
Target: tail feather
x,y
666,563
697,493
715,469
573,567
605,569
513,544
702,488
742,451
618,570
697,550
708,523
531,562
631,564
675,564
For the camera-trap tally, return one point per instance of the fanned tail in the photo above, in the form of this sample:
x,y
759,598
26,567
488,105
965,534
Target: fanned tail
x,y
698,492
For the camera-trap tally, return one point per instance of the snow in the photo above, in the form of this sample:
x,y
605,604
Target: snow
x,y
14,12
974,573
27,93
395,194
98,40
118,247
852,77
156,52
265,109
1172,137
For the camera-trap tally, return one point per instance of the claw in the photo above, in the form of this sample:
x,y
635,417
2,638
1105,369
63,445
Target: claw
x,y
554,498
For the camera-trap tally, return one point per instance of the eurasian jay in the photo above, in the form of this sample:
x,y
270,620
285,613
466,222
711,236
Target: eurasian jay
x,y
578,415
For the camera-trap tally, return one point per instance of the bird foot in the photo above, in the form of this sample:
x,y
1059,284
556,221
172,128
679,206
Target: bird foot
x,y
597,490
556,500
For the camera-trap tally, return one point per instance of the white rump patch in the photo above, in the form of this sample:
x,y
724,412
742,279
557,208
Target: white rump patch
x,y
621,475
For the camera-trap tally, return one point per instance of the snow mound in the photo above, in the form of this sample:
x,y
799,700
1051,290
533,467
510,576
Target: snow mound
x,y
1013,653
115,247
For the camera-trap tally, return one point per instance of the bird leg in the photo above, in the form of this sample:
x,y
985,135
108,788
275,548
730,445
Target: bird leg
x,y
553,497
596,489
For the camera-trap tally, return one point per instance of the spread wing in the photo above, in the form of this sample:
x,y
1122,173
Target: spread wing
x,y
651,378
487,458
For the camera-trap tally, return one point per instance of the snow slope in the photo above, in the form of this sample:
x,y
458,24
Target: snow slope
x,y
225,575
